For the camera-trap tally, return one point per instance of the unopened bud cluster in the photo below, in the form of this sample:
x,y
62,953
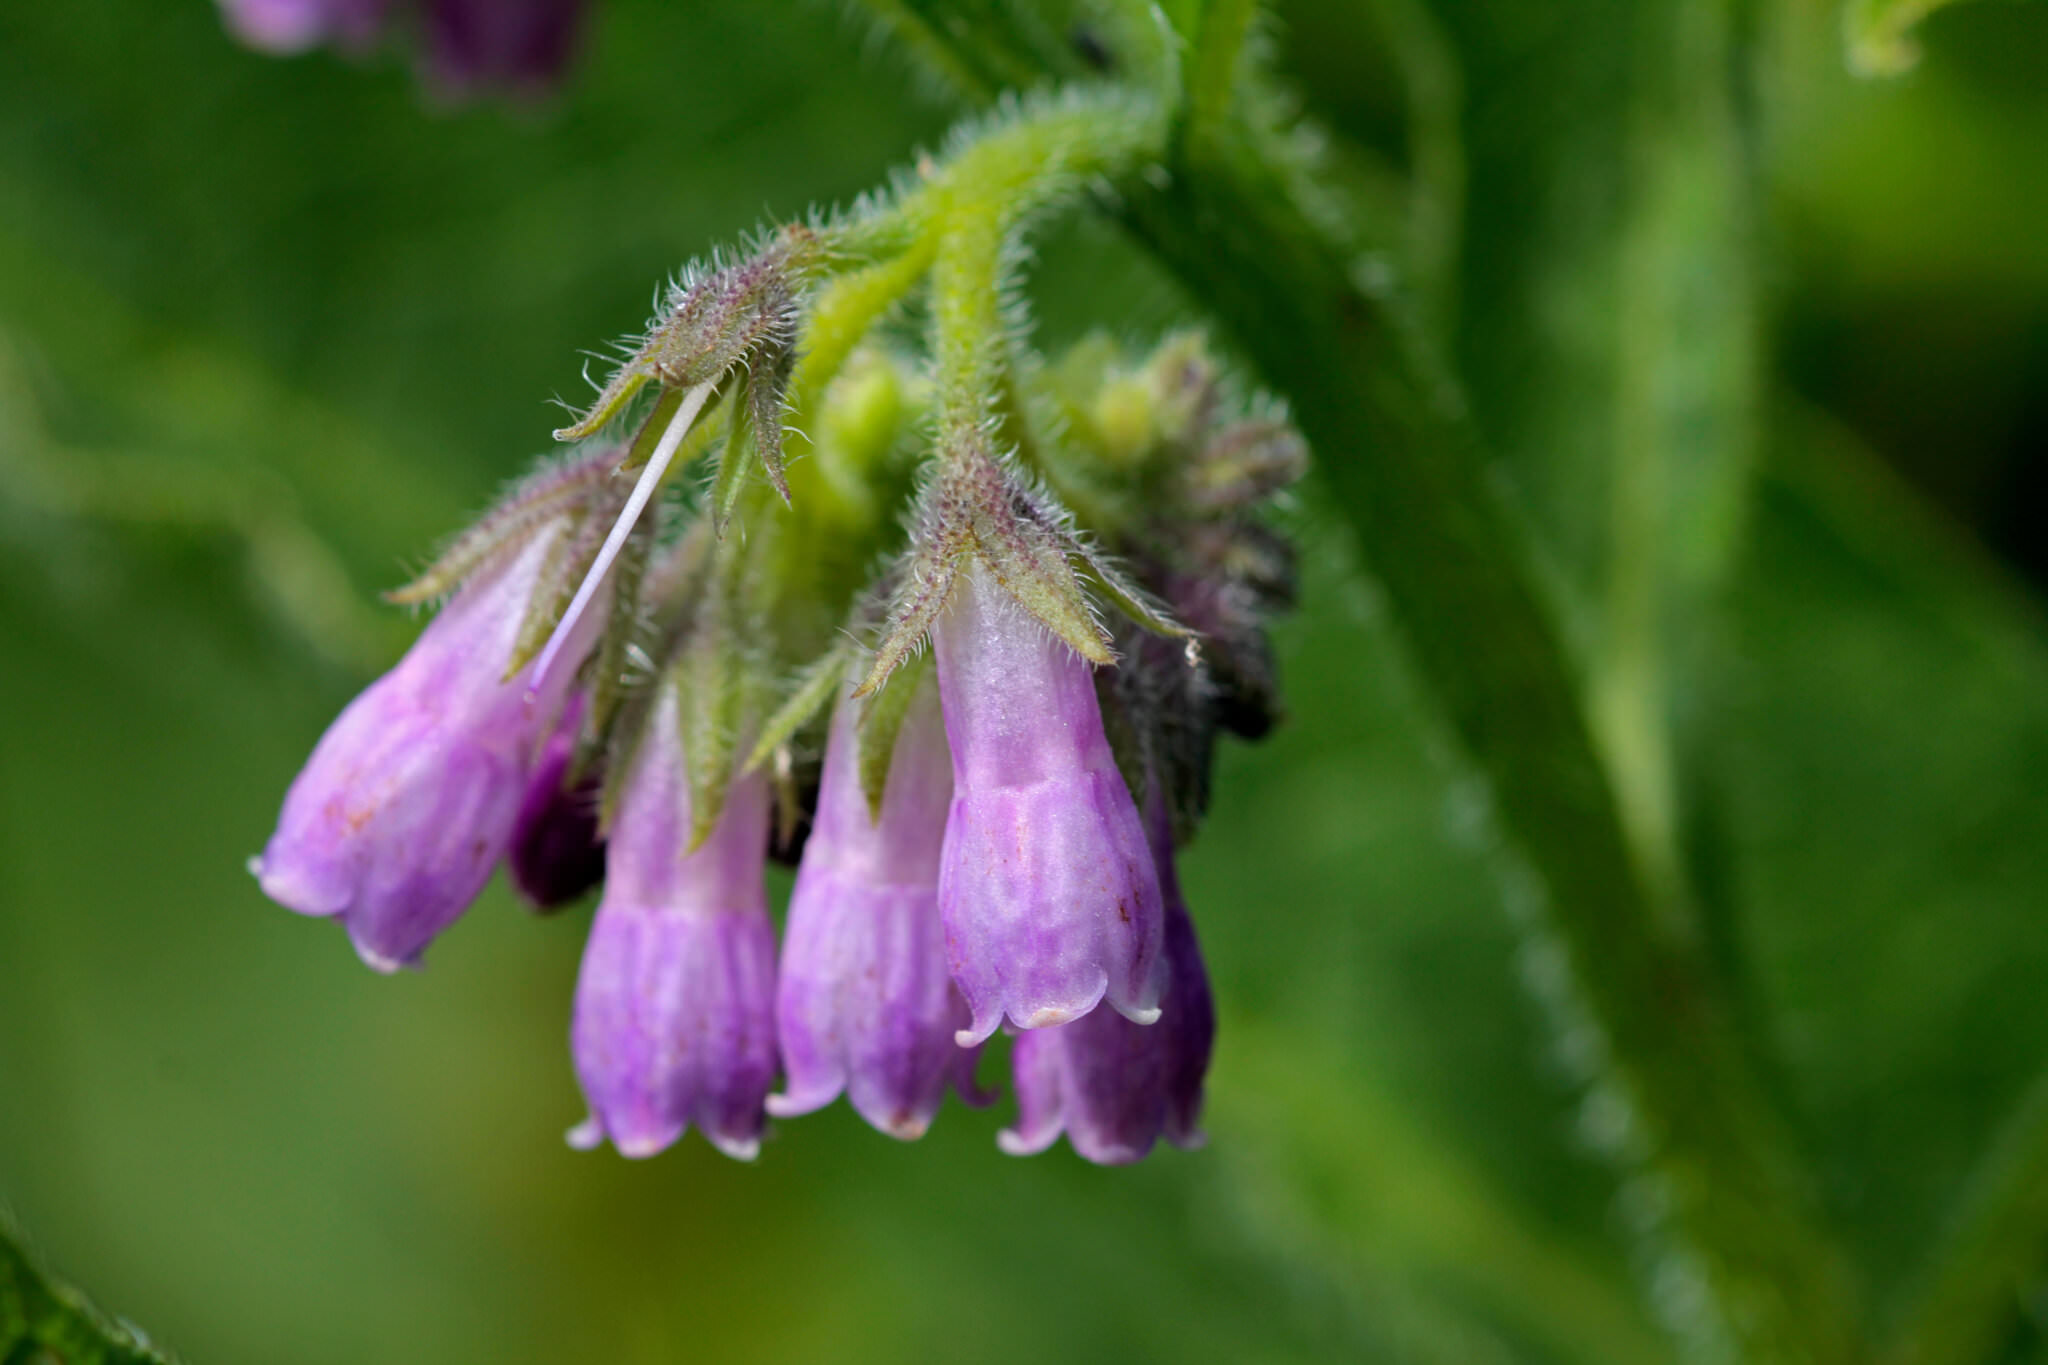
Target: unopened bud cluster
x,y
658,681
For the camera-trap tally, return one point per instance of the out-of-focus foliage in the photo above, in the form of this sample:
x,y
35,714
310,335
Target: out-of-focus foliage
x,y
1880,33
41,1319
267,330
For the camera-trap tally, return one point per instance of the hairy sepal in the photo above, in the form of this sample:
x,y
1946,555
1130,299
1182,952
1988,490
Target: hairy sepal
x,y
881,721
552,491
977,505
812,694
715,319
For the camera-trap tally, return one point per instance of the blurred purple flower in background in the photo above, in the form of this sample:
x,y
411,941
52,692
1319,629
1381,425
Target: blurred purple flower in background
x,y
468,46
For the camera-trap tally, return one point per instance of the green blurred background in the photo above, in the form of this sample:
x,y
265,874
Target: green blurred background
x,y
268,329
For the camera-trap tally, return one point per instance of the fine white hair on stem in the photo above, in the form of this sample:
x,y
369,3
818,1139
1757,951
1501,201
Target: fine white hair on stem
x,y
650,479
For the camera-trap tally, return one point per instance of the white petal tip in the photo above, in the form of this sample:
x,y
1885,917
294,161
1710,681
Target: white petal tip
x,y
640,1148
739,1149
905,1127
296,893
386,965
1140,1016
1116,1155
1013,1143
787,1106
586,1136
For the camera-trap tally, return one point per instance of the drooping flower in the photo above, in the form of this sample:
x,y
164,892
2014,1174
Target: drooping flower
x,y
557,850
1049,896
864,1003
1112,1086
409,800
674,1019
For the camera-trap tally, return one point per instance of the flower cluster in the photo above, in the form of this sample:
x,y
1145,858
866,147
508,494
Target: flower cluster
x,y
638,681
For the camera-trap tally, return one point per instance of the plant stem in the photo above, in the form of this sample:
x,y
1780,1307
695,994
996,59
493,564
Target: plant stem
x,y
1402,463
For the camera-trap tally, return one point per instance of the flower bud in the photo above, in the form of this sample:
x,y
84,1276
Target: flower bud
x,y
864,1002
557,850
674,1019
409,799
1112,1086
1049,896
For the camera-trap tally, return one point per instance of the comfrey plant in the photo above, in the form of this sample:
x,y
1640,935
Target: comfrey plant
x,y
662,681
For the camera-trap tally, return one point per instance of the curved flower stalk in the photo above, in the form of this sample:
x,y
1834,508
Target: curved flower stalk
x,y
1050,899
1114,1087
865,1003
674,1020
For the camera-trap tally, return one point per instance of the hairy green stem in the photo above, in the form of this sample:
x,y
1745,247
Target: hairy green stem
x,y
967,329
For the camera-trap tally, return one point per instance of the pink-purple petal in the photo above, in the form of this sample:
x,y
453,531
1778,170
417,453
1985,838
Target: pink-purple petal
x,y
1049,897
674,1022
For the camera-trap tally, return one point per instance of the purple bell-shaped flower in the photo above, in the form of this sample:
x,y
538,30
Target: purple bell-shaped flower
x,y
1115,1087
674,1020
409,800
864,1003
1049,897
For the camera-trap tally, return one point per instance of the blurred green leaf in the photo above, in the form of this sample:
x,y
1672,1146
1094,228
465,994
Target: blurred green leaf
x,y
1889,870
43,1319
1881,33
